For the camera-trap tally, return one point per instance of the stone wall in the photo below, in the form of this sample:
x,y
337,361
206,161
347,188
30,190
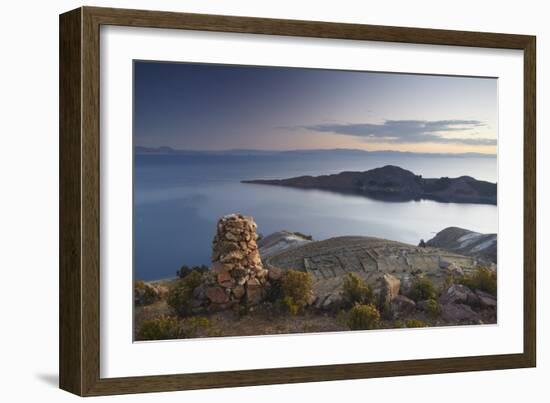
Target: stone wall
x,y
237,274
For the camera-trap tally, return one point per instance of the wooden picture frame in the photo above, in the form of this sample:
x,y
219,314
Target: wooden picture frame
x,y
80,199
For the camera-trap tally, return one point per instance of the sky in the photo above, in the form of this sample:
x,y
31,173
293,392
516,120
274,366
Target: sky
x,y
219,107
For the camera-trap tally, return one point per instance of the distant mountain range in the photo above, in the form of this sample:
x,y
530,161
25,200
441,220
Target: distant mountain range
x,y
311,152
393,183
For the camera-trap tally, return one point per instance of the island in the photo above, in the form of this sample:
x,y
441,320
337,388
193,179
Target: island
x,y
392,183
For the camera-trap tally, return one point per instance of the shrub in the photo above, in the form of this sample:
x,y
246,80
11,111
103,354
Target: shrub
x,y
363,317
180,295
197,326
432,308
481,279
296,289
144,294
161,328
415,323
356,291
186,270
422,288
398,324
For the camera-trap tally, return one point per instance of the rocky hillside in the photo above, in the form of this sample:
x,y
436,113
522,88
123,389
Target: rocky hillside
x,y
328,262
395,183
465,242
289,283
280,241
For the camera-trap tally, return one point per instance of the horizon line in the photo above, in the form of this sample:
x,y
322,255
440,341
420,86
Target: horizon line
x,y
311,149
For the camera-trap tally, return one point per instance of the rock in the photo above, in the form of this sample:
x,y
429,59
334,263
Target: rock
x,y
329,302
254,292
162,291
402,306
459,313
225,277
459,294
216,295
391,286
455,270
311,298
239,291
262,273
385,287
199,292
232,256
275,273
486,300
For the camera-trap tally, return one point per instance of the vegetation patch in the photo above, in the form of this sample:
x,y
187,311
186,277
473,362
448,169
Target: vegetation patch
x,y
296,289
185,270
481,279
432,308
415,323
422,288
160,328
363,317
144,294
355,290
179,297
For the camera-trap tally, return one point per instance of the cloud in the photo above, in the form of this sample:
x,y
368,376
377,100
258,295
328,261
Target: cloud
x,y
410,131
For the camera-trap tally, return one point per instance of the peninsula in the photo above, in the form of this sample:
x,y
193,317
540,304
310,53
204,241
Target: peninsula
x,y
393,183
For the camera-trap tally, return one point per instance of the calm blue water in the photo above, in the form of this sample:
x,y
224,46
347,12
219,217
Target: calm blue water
x,y
178,199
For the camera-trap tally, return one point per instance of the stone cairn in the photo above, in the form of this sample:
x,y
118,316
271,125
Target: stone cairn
x,y
237,274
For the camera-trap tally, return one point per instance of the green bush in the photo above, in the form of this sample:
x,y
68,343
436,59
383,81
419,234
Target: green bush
x,y
180,295
422,288
161,328
355,290
363,317
415,323
296,289
432,308
481,279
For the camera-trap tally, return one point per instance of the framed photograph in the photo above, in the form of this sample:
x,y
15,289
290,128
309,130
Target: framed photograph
x,y
249,201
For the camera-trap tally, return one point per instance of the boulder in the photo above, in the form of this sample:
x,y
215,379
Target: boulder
x,y
451,268
216,295
275,273
385,287
238,292
254,291
329,301
486,300
225,279
217,267
458,313
401,307
459,294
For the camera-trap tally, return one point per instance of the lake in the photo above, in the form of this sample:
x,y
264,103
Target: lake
x,y
179,198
